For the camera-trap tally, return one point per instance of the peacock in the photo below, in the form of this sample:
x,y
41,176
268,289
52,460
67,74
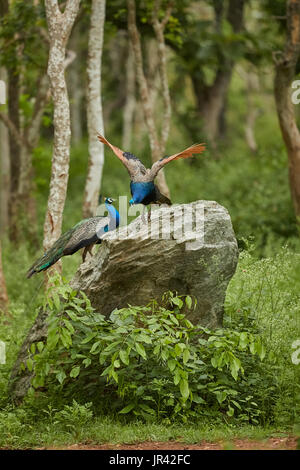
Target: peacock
x,y
142,187
85,234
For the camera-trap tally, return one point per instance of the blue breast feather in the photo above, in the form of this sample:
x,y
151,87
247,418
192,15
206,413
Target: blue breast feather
x,y
142,191
115,216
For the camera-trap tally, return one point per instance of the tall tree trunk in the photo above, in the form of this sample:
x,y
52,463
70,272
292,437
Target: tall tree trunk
x,y
152,71
59,26
3,291
252,87
157,146
10,175
75,86
128,112
25,140
15,159
22,205
285,65
5,171
117,50
211,99
31,134
94,109
4,154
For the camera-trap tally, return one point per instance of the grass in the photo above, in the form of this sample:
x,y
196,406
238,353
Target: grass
x,y
101,430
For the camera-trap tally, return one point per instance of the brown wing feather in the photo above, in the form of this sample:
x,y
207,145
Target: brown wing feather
x,y
189,152
133,164
118,152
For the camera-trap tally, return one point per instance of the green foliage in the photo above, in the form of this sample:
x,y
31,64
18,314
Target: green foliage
x,y
72,416
151,359
263,296
22,23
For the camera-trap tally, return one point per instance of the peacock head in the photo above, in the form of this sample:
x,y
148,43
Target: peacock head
x,y
109,200
131,202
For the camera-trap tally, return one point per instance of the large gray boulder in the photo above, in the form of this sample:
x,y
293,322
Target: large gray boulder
x,y
188,248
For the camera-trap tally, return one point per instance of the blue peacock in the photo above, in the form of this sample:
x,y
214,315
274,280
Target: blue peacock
x,y
142,187
85,234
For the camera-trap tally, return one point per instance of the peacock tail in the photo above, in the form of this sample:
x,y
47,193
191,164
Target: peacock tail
x,y
54,253
87,232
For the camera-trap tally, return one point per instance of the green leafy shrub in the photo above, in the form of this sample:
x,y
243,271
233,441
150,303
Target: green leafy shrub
x,y
72,417
148,361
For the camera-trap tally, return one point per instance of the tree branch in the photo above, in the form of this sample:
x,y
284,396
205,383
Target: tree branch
x,y
52,10
165,21
159,33
44,35
69,16
142,82
155,145
61,23
42,98
13,130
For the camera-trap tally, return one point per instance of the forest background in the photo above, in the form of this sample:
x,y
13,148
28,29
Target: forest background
x,y
155,77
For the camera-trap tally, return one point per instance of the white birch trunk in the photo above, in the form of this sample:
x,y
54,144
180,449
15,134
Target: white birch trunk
x,y
157,147
59,26
5,171
94,109
75,87
129,107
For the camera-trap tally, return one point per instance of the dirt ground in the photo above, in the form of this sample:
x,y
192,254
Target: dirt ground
x,y
280,443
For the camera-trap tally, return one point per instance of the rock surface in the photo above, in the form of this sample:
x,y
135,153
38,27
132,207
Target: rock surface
x,y
188,248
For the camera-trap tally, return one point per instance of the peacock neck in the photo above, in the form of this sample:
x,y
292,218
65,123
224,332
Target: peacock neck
x,y
113,213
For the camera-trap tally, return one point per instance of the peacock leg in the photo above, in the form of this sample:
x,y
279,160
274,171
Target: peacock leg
x,y
90,249
149,214
84,253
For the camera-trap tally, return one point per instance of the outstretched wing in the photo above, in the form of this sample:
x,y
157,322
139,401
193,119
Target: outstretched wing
x,y
134,166
189,152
